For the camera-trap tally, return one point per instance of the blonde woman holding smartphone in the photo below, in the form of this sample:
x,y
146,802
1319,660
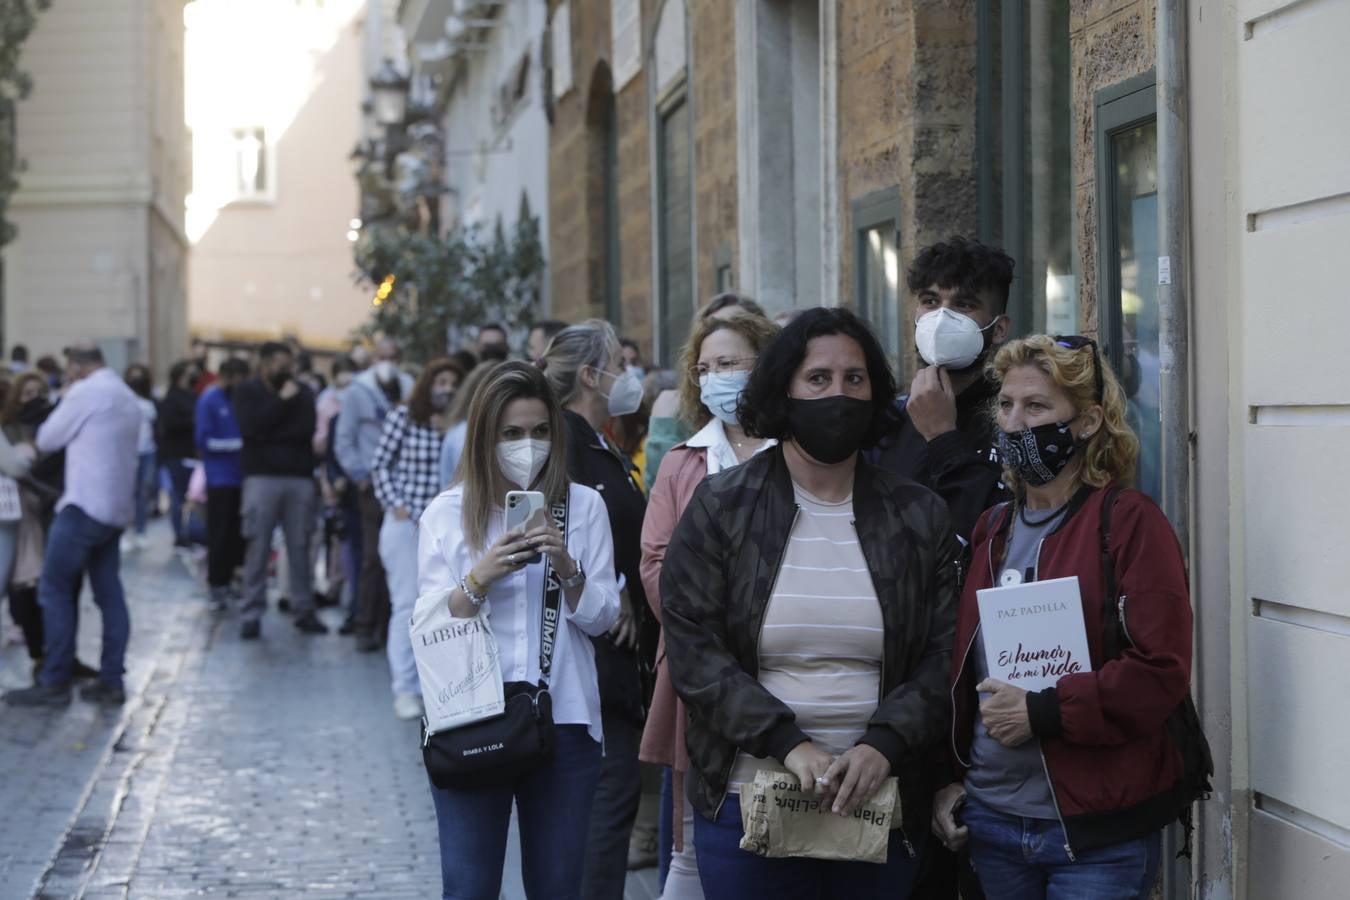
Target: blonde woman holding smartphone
x,y
515,443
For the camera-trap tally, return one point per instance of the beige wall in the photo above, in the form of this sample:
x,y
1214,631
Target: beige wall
x,y
282,265
101,247
1293,123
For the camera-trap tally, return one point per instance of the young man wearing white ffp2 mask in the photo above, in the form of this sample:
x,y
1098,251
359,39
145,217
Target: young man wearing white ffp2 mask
x,y
945,439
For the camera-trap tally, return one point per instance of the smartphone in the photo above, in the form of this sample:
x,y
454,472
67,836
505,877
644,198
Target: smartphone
x,y
525,510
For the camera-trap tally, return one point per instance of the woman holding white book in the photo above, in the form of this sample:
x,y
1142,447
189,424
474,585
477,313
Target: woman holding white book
x,y
1065,791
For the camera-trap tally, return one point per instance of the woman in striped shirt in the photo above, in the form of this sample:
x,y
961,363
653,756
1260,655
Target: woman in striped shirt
x,y
808,604
407,476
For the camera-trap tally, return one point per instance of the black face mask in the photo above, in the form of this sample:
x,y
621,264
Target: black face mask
x,y
35,411
279,379
1038,454
830,429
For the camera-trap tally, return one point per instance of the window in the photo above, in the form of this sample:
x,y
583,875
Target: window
x,y
876,223
1024,155
674,228
252,170
724,271
1127,204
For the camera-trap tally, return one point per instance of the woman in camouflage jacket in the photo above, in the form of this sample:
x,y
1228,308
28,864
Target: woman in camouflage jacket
x,y
809,600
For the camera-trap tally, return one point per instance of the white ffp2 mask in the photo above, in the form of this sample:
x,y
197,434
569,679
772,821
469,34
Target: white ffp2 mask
x,y
625,394
521,461
949,339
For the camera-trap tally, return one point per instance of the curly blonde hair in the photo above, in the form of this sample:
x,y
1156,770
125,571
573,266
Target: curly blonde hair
x,y
758,332
1112,453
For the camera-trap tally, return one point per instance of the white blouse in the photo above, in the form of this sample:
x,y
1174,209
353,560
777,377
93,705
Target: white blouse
x,y
514,604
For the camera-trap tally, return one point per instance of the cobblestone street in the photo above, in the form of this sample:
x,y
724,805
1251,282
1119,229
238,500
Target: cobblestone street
x,y
265,769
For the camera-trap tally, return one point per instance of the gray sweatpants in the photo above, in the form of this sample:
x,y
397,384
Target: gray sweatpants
x,y
270,500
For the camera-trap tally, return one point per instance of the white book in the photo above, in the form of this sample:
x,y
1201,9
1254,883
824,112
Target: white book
x,y
1033,633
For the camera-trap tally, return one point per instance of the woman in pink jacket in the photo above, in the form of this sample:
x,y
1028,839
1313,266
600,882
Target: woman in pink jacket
x,y
715,367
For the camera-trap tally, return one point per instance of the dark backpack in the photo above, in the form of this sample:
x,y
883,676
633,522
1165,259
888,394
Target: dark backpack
x,y
1197,763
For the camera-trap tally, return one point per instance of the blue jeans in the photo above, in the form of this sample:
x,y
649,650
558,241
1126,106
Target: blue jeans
x,y
180,475
77,544
145,489
554,807
730,873
665,831
1024,859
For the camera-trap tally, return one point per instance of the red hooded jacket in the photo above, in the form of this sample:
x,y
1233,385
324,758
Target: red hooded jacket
x,y
1112,765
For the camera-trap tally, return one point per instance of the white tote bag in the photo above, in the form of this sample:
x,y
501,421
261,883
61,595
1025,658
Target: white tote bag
x,y
457,661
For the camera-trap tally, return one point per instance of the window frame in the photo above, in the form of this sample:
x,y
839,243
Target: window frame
x,y
1116,109
869,212
268,195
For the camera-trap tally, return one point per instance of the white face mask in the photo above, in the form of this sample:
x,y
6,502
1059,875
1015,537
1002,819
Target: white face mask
x,y
385,370
949,339
521,461
625,395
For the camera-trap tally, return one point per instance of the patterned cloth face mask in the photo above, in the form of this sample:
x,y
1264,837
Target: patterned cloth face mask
x,y
1038,454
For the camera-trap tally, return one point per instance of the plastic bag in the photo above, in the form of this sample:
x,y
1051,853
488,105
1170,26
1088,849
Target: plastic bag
x,y
779,819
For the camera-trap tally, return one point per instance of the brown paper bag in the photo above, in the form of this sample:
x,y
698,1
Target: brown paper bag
x,y
779,820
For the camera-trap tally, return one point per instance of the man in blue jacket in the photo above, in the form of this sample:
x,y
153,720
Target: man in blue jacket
x,y
219,444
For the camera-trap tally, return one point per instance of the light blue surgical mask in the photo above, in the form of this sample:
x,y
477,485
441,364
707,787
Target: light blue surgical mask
x,y
721,392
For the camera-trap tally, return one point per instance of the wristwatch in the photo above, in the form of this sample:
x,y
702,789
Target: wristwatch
x,y
576,580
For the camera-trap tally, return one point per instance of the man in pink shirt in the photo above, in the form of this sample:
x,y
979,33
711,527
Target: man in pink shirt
x,y
98,424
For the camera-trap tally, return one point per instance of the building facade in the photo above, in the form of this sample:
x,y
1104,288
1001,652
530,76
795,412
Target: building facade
x,y
479,68
274,92
102,250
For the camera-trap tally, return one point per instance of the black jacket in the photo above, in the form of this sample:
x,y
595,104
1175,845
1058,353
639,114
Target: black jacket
x,y
716,581
963,466
622,673
175,437
278,434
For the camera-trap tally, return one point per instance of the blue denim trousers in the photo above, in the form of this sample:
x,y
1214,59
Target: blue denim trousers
x,y
730,873
77,544
553,805
180,475
1024,859
145,489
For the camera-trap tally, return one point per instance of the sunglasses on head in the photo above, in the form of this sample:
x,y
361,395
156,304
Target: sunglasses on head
x,y
1078,342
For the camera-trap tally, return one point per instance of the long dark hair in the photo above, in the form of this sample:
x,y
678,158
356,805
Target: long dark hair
x,y
763,410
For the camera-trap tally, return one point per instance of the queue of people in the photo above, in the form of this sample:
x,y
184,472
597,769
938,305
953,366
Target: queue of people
x,y
769,559
810,557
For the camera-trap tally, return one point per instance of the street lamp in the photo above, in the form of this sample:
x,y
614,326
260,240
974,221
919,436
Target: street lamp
x,y
389,91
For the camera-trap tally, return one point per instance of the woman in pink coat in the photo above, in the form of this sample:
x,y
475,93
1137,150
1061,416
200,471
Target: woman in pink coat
x,y
715,366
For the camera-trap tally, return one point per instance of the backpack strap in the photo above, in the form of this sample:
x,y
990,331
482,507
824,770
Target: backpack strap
x,y
1110,621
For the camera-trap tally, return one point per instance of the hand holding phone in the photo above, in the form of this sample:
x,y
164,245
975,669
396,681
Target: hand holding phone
x,y
525,510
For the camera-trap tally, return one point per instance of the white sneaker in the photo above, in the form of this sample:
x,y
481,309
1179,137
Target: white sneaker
x,y
130,544
408,706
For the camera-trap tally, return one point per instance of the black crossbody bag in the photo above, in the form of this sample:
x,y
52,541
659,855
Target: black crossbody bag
x,y
499,750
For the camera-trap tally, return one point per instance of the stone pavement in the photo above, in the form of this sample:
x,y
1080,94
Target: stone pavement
x,y
265,769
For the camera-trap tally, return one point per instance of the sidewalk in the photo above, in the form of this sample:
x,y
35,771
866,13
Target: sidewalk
x,y
264,769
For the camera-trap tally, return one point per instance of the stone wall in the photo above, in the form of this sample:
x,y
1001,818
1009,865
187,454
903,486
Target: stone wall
x,y
576,211
713,89
1109,41
576,197
907,98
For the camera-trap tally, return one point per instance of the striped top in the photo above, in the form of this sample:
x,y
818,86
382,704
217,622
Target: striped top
x,y
821,646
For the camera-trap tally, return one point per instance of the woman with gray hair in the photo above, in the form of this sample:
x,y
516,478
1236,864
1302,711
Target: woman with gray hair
x,y
584,366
